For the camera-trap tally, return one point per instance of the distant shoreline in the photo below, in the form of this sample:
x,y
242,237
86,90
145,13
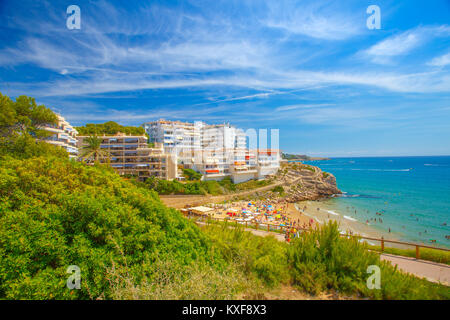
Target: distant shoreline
x,y
308,159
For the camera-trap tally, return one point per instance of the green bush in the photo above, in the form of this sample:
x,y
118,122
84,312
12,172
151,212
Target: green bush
x,y
228,184
262,257
321,260
278,189
190,174
252,184
55,213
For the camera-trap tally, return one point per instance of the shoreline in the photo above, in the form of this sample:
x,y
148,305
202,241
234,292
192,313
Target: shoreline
x,y
322,213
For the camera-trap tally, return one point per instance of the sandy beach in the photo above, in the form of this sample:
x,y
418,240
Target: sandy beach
x,y
321,213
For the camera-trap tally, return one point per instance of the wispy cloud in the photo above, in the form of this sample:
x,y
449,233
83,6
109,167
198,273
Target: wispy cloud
x,y
404,43
313,19
440,61
301,106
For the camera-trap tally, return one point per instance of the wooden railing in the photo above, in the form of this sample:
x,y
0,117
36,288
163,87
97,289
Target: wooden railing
x,y
382,242
283,229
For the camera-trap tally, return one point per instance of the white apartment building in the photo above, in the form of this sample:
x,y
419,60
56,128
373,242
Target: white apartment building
x,y
182,138
216,151
131,155
63,135
268,162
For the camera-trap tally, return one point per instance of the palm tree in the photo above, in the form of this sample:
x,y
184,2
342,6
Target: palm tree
x,y
93,150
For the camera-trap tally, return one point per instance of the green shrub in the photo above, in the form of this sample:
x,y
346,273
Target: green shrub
x,y
278,189
322,260
252,184
55,213
263,257
228,184
190,174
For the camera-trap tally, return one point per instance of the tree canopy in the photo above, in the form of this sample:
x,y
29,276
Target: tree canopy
x,y
21,128
109,128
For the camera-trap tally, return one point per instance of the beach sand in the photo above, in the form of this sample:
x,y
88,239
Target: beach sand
x,y
322,213
299,217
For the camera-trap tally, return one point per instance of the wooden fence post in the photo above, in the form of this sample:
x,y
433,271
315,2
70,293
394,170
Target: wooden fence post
x,y
268,227
382,244
417,252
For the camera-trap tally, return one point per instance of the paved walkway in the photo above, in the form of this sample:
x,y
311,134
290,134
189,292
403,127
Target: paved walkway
x,y
432,271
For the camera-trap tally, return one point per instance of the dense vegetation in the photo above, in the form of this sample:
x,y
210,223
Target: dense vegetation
x,y
21,130
322,260
191,175
319,261
109,128
55,212
197,187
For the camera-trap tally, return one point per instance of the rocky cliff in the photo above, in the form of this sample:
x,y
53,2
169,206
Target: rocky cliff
x,y
305,182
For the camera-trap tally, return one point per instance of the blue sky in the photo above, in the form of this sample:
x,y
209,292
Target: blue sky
x,y
311,69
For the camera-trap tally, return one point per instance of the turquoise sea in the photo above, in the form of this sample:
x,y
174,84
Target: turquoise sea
x,y
411,193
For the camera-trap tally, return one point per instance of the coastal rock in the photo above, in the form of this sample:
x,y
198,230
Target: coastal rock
x,y
305,182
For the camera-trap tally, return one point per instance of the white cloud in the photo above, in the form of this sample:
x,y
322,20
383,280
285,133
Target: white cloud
x,y
396,45
301,106
440,61
313,19
403,43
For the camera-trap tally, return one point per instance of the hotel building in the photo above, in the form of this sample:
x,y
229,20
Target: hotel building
x,y
63,135
216,151
132,155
